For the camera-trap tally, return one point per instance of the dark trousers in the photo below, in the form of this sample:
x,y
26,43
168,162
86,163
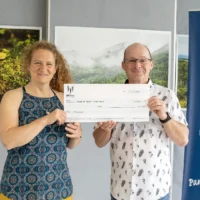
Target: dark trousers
x,y
163,198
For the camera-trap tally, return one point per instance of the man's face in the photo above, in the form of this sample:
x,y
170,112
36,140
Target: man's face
x,y
137,64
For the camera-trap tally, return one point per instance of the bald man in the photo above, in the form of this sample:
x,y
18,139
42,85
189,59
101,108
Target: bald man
x,y
140,151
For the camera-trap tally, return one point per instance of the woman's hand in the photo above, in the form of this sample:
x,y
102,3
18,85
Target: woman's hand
x,y
57,115
74,130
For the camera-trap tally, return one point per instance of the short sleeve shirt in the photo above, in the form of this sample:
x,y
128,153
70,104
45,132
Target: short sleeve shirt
x,y
140,153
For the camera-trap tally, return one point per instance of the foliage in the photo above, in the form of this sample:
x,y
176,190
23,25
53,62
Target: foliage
x,y
115,74
12,42
182,81
98,74
159,74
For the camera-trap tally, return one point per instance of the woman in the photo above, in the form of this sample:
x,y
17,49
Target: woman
x,y
34,132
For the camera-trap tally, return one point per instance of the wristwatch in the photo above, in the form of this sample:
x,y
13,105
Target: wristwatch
x,y
165,120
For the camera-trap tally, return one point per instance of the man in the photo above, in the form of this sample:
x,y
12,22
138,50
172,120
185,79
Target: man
x,y
140,153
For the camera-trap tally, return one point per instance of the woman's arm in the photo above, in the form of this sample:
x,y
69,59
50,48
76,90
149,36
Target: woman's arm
x,y
74,131
11,134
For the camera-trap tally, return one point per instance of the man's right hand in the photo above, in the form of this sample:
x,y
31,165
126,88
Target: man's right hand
x,y
107,126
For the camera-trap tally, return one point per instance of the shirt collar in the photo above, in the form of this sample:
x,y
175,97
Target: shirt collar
x,y
149,82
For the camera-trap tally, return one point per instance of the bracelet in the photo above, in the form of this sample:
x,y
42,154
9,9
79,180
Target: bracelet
x,y
165,120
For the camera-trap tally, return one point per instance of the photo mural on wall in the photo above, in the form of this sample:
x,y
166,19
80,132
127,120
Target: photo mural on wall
x,y
95,54
182,70
12,41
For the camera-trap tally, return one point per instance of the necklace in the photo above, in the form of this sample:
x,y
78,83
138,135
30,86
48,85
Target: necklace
x,y
44,105
47,106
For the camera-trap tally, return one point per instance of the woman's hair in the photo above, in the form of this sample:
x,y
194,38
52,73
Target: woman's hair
x,y
1,96
62,74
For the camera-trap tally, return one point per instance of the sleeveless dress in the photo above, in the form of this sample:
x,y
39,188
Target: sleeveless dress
x,y
38,170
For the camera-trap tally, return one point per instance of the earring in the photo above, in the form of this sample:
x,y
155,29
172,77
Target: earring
x,y
54,79
29,77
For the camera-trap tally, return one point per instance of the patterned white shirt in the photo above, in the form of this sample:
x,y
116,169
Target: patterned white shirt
x,y
140,153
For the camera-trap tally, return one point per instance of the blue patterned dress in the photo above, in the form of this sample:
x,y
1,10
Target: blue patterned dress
x,y
38,170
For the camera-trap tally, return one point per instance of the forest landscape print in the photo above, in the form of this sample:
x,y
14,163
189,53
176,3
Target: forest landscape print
x,y
95,54
182,75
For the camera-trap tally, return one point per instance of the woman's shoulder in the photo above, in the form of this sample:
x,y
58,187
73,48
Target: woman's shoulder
x,y
60,95
15,94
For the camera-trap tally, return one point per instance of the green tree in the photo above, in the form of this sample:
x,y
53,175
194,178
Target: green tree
x,y
182,81
159,74
12,42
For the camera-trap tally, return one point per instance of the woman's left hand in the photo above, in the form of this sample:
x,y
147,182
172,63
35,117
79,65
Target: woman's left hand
x,y
74,130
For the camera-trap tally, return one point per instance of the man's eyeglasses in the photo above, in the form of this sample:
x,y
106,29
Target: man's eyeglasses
x,y
135,60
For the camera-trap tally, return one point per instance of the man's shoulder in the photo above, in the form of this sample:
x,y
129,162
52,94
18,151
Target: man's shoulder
x,y
161,88
164,93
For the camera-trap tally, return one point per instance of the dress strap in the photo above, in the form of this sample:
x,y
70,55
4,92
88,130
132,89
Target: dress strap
x,y
53,92
23,88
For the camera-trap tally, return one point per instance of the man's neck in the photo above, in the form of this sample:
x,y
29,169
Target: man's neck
x,y
136,82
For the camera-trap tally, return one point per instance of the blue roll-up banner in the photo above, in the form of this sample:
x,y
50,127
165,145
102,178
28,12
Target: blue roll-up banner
x,y
191,175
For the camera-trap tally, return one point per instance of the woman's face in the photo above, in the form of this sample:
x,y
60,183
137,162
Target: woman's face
x,y
42,67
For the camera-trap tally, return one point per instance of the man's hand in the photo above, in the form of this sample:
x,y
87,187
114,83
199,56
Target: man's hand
x,y
102,134
107,126
157,106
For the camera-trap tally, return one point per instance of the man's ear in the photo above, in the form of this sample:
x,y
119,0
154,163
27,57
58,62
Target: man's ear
x,y
123,65
152,65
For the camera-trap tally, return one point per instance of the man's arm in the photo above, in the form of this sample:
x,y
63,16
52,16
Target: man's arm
x,y
176,131
102,134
